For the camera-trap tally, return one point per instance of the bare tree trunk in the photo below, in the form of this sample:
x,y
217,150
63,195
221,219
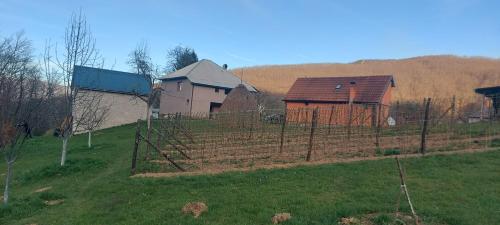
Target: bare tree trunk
x,y
7,182
90,139
148,114
64,150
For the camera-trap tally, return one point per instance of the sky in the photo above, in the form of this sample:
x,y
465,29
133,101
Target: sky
x,y
244,33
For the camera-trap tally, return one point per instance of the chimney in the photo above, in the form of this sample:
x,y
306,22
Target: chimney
x,y
352,91
224,66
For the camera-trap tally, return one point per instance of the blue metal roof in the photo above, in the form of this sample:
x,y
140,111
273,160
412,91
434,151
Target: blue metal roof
x,y
109,81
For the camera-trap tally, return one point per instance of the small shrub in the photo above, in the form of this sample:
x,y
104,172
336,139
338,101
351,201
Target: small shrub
x,y
392,152
495,143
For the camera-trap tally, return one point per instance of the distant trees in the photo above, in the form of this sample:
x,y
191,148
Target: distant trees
x,y
180,57
22,93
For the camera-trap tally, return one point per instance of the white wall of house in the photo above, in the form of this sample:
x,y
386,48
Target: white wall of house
x,y
123,109
174,100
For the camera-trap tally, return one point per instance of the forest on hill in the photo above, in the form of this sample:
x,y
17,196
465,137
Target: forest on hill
x,y
439,76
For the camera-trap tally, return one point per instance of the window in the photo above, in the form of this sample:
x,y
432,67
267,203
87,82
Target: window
x,y
338,86
216,90
226,91
179,86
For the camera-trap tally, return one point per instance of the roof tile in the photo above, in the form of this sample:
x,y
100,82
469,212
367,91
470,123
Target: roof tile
x,y
368,89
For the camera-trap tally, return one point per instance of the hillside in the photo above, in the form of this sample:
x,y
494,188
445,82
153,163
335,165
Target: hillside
x,y
416,78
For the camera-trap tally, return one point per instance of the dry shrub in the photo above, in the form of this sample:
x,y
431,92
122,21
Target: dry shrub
x,y
54,202
7,134
42,189
280,217
195,208
349,221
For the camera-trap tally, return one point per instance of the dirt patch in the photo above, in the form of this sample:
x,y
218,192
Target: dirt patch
x,y
54,202
378,218
349,221
209,171
280,217
42,189
195,208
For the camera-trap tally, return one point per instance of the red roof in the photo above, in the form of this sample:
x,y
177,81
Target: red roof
x,y
368,89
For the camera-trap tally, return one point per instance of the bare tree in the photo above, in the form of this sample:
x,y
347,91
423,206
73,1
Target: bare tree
x,y
79,49
21,93
141,63
91,112
180,57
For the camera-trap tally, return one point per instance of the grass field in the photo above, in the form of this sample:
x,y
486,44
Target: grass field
x,y
96,188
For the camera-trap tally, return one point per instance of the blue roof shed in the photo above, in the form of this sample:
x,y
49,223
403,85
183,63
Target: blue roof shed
x,y
96,79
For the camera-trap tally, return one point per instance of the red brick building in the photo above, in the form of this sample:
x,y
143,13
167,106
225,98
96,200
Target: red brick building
x,y
341,100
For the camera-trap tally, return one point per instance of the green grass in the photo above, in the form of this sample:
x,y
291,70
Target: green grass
x,y
96,189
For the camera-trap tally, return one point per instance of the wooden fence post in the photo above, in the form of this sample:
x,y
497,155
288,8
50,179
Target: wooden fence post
x,y
251,123
330,120
283,125
453,111
158,138
314,123
424,128
349,122
136,148
378,128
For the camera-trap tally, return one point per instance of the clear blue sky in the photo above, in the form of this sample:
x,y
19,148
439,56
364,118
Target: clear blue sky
x,y
246,32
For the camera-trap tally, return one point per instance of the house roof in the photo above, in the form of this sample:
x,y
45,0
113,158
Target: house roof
x,y
109,81
489,91
368,89
208,73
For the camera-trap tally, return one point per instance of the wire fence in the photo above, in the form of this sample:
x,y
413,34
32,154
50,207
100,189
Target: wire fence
x,y
228,140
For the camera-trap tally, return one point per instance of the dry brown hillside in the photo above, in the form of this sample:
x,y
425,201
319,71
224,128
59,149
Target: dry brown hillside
x,y
416,78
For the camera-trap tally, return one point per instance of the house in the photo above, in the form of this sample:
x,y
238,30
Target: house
x,y
493,105
199,88
341,100
117,91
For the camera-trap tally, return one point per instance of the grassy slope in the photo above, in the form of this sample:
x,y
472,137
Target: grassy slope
x,y
461,189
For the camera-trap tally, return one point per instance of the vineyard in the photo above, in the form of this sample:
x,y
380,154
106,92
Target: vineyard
x,y
267,138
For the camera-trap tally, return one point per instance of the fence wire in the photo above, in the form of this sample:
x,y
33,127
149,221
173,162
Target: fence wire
x,y
226,140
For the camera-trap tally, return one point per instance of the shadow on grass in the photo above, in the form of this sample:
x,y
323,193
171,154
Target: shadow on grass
x,y
27,206
55,170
